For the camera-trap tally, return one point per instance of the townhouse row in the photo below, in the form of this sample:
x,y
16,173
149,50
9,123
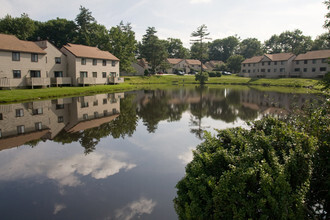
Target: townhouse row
x,y
41,64
313,64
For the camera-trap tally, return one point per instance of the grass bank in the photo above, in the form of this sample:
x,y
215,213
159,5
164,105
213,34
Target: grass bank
x,y
156,82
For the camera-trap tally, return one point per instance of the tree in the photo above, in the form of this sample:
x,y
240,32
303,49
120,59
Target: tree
x,y
259,173
201,34
234,63
123,45
272,45
195,51
175,49
153,49
202,77
250,47
327,16
22,27
321,42
85,22
222,49
58,31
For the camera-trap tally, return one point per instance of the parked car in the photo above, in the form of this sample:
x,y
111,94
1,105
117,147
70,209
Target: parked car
x,y
226,73
180,73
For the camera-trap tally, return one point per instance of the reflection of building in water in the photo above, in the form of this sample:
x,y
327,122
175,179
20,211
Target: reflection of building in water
x,y
25,122
273,103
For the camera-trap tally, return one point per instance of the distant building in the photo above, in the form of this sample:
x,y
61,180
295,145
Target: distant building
x,y
213,64
309,65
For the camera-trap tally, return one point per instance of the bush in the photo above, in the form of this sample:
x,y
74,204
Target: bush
x,y
202,77
146,72
261,173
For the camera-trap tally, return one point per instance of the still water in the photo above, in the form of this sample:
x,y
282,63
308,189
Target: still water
x,y
114,156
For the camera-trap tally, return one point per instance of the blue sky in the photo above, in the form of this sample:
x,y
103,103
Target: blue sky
x,y
179,18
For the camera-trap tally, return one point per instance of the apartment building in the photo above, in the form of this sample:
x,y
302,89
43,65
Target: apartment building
x,y
91,66
268,66
40,64
213,64
309,65
312,64
176,64
22,63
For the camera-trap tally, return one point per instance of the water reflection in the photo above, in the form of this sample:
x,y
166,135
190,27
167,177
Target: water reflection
x,y
114,156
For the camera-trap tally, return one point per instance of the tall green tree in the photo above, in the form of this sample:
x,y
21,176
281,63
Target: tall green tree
x,y
123,45
22,27
58,31
250,47
153,49
200,35
327,16
234,63
195,51
272,45
84,21
176,49
222,49
322,42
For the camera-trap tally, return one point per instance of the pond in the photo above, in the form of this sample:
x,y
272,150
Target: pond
x,y
115,156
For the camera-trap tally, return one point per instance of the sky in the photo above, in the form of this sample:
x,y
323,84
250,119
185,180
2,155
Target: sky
x,y
179,18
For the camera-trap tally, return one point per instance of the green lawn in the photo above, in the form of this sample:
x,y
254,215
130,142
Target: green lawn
x,y
154,82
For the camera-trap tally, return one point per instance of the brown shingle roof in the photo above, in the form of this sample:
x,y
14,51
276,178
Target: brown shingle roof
x,y
311,55
83,125
174,60
12,43
193,62
279,56
89,52
255,59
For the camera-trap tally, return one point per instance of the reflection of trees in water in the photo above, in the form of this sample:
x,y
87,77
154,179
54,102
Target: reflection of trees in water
x,y
123,125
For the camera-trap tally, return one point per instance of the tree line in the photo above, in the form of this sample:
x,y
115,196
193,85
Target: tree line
x,y
120,41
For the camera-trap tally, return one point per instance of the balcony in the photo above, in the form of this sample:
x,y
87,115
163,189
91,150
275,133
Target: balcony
x,y
116,80
37,81
86,81
5,82
61,81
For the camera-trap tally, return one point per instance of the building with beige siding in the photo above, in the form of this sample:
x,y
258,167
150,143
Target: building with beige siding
x,y
91,66
22,63
213,64
312,64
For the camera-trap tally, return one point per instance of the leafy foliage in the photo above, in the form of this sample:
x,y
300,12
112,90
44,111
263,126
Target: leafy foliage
x,y
240,174
234,63
222,49
201,77
22,27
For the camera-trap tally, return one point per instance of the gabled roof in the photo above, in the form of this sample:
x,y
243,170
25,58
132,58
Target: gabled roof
x,y
193,62
174,60
255,59
12,43
213,63
79,50
311,55
279,56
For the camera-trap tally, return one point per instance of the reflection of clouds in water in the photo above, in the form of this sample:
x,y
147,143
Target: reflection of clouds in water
x,y
187,156
65,171
58,208
142,206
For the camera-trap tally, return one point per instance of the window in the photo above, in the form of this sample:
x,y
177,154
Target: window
x,y
269,70
113,63
20,129
96,114
297,61
105,101
37,111
83,74
305,61
19,112
282,70
282,62
314,61
0,134
38,126
16,56
275,70
323,69
263,63
85,116
114,111
35,73
83,61
84,105
34,57
313,69
244,71
254,64
16,74
275,63
1,117
58,60
244,64
305,70
94,62
324,60
113,74
269,63
105,113
104,74
60,119
96,103
95,74
297,69
262,70
104,62
58,74
59,106
248,71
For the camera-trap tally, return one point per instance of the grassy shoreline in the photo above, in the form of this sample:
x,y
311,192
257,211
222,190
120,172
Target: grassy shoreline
x,y
154,82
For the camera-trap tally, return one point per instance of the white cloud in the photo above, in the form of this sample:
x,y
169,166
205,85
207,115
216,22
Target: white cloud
x,y
58,208
136,209
187,156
